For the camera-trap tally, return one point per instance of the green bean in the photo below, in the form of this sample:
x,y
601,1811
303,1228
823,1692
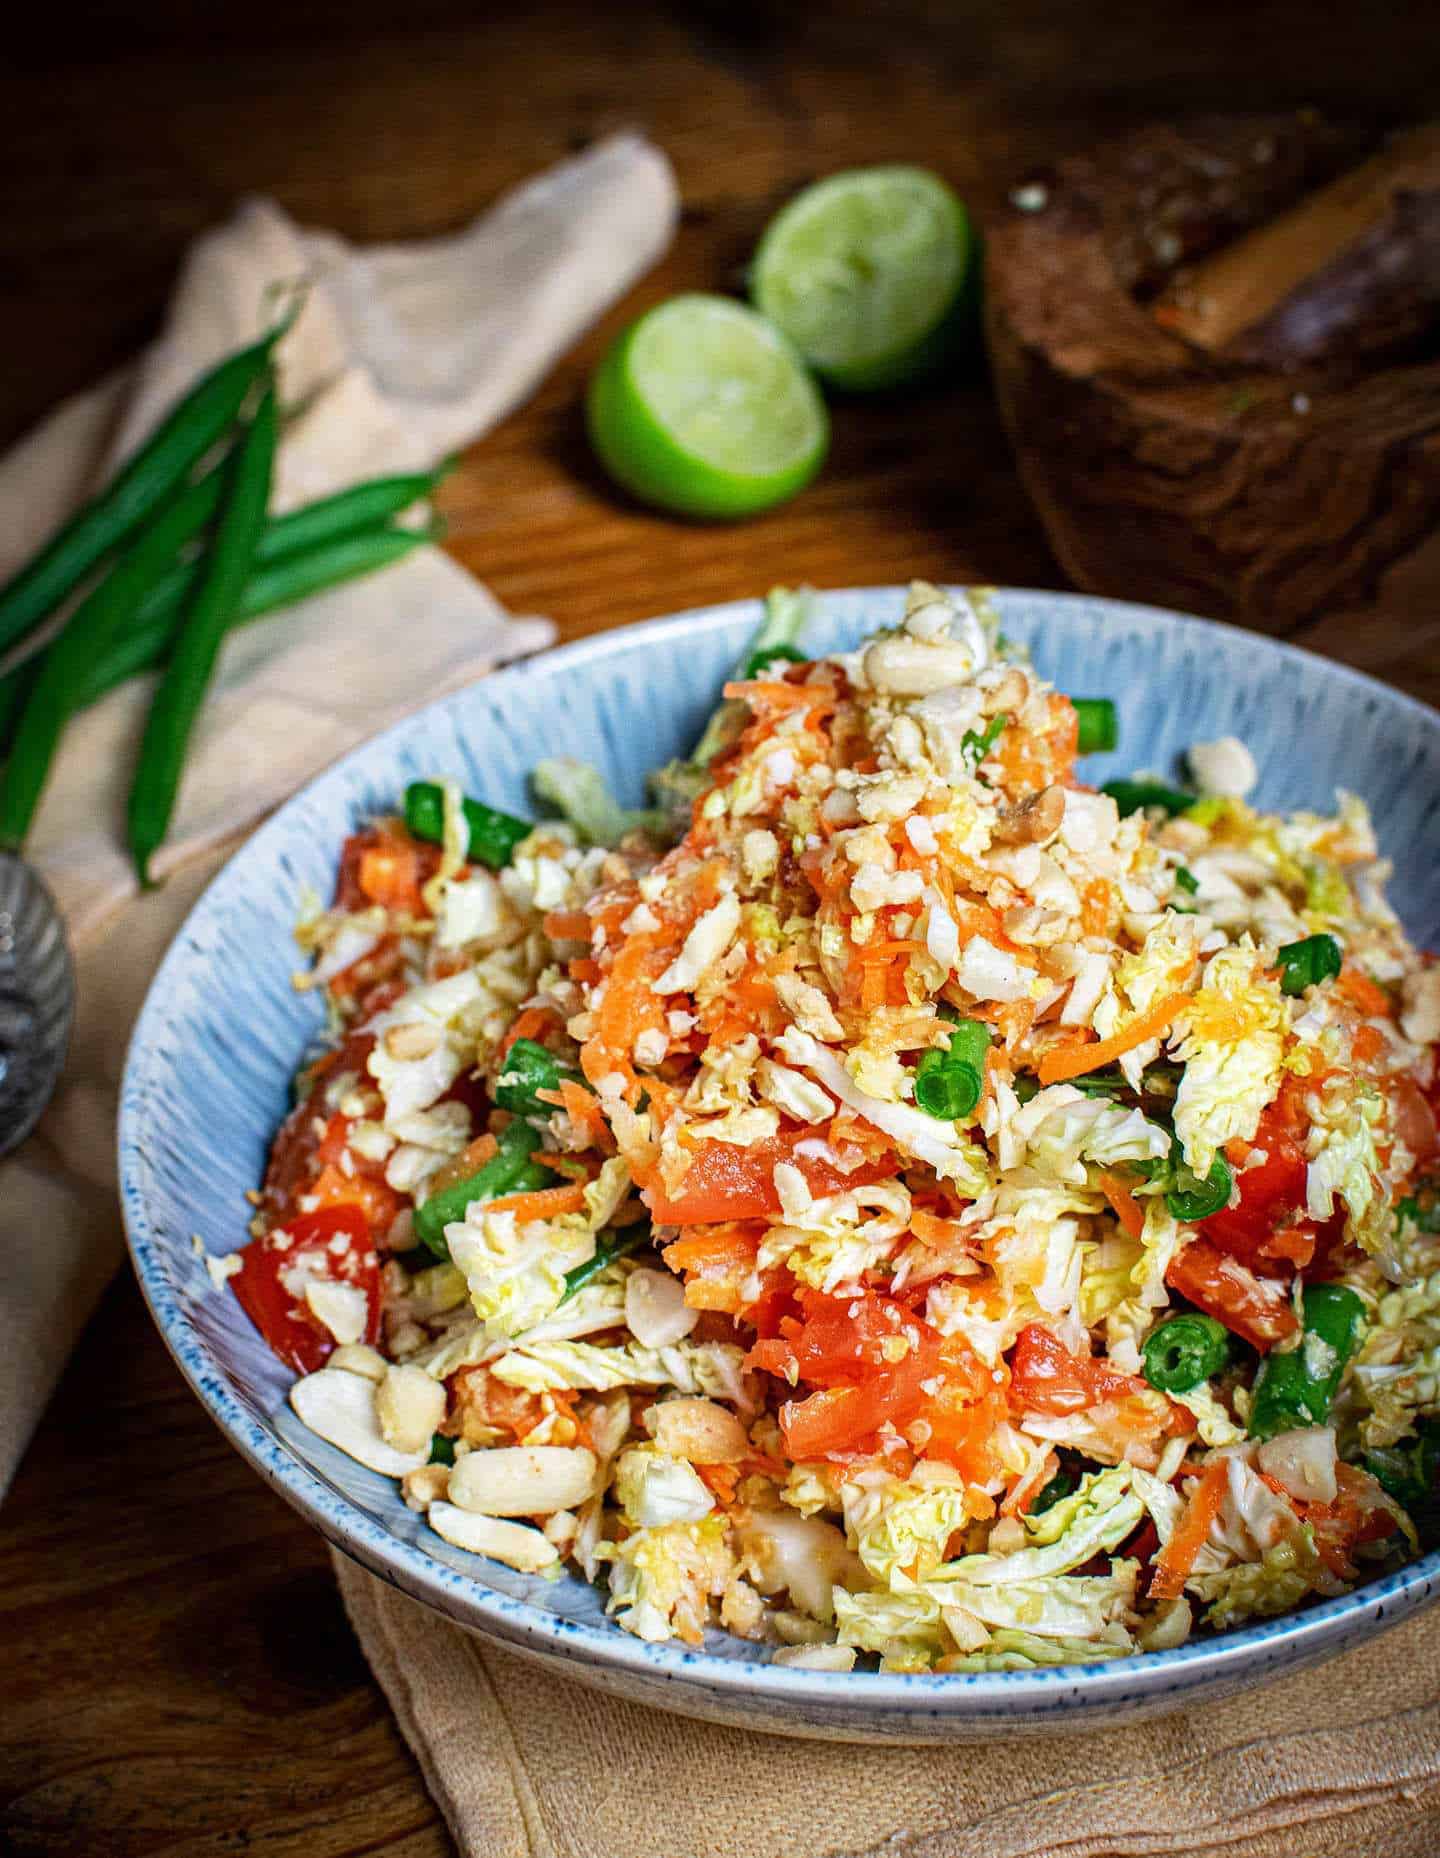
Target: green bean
x,y
1064,1483
529,1069
1298,1387
360,507
948,1083
768,655
271,587
1304,964
139,488
1191,1198
1410,1469
608,1247
1187,1196
98,619
1132,796
493,834
509,1170
1183,1352
1099,727
177,702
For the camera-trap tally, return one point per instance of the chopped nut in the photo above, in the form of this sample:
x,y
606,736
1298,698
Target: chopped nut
x,y
411,1040
360,1358
1035,819
409,1405
426,1486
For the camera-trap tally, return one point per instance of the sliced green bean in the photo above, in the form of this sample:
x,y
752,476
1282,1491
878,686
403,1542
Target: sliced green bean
x,y
1191,1198
1133,796
138,489
1064,1483
177,701
1298,1387
1306,963
1183,1352
529,1069
1410,1469
1099,727
608,1247
509,1170
493,834
948,1083
94,624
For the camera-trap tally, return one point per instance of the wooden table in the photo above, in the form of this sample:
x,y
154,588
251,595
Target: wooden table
x,y
179,1676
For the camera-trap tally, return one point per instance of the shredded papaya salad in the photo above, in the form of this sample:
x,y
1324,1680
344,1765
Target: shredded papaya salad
x,y
888,1199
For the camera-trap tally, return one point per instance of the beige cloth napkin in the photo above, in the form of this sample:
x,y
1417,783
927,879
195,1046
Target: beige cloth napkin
x,y
1343,1762
401,354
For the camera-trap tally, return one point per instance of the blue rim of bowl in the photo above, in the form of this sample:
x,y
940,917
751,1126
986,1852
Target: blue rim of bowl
x,y
1312,1633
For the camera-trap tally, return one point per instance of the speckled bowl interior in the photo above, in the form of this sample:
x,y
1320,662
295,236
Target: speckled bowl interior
x,y
222,1030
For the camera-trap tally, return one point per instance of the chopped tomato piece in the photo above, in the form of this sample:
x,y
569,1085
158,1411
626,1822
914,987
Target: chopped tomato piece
x,y
1272,1195
332,1246
1046,1378
385,865
725,1182
869,1359
1225,1289
1412,1117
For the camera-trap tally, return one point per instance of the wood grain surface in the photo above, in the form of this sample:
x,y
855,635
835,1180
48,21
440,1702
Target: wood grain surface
x,y
178,1676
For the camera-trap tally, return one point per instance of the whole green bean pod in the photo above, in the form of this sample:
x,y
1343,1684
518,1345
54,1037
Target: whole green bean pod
x,y
100,616
182,690
509,1170
1298,1387
140,486
347,512
270,587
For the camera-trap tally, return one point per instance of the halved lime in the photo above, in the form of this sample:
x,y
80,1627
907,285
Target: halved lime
x,y
866,273
703,408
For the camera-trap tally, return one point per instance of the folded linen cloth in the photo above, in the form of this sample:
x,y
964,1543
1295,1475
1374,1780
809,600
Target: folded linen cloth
x,y
401,354
1332,1763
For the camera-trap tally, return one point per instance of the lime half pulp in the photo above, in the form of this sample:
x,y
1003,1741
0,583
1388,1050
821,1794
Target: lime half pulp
x,y
866,273
701,407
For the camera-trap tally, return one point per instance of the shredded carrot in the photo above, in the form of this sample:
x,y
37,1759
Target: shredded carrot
x,y
1175,1560
390,876
582,1107
568,926
930,1229
1367,1044
1362,992
548,1203
1125,1205
527,1025
1074,1061
1096,903
469,1161
720,1480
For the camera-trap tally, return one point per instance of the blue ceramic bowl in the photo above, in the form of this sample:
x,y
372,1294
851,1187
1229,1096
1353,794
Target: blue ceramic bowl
x,y
221,1032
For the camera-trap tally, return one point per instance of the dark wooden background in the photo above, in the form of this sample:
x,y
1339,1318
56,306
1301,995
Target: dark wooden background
x,y
177,1676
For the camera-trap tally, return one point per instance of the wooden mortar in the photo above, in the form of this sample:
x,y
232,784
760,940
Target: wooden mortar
x,y
1227,474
